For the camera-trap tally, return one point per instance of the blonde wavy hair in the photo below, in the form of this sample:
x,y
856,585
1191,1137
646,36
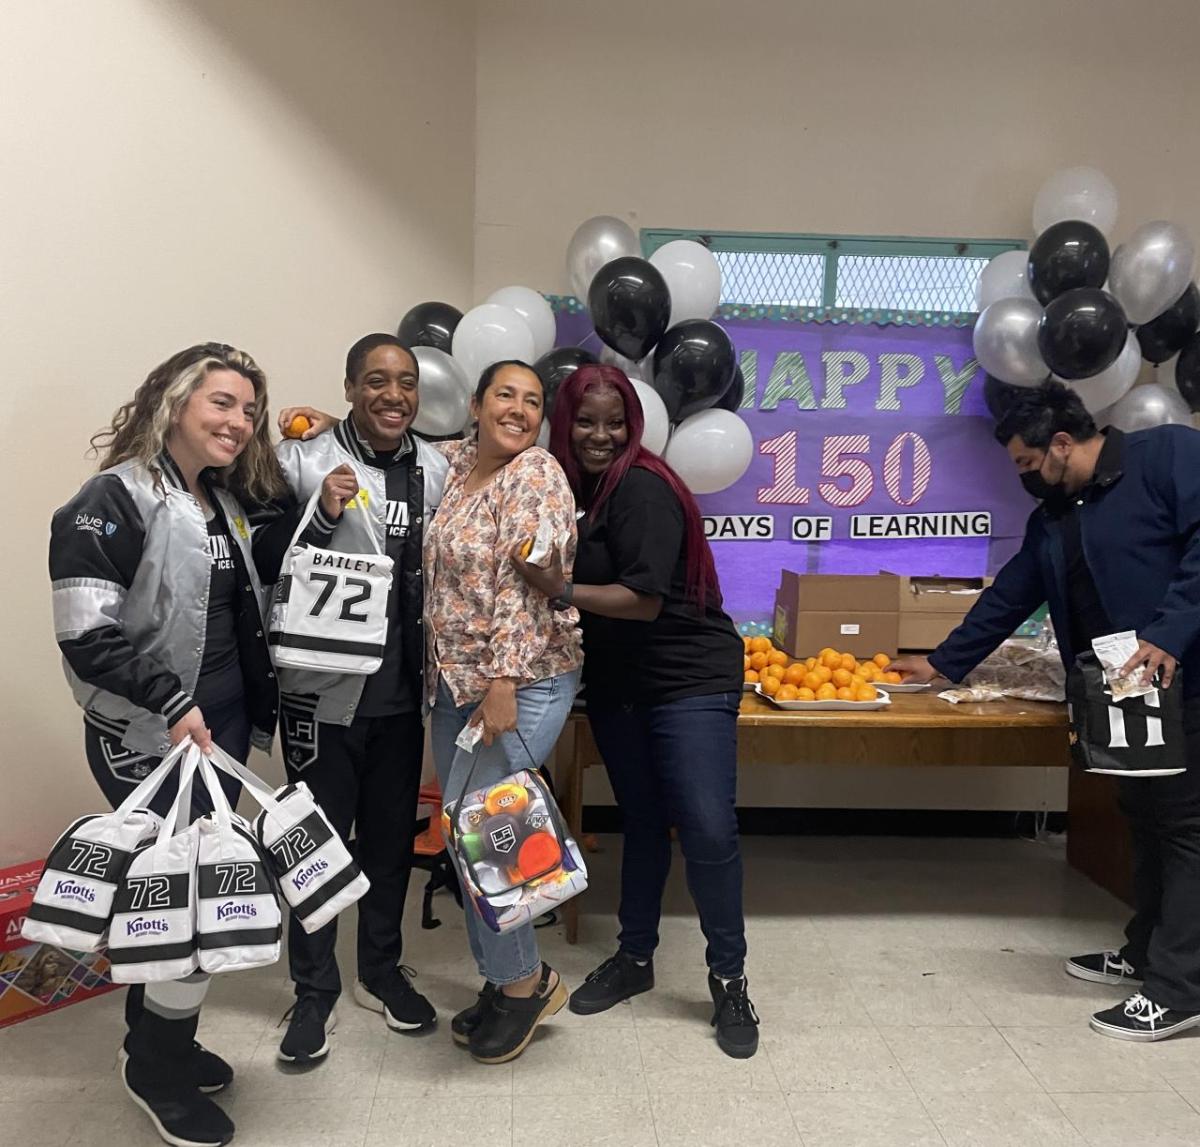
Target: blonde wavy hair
x,y
140,428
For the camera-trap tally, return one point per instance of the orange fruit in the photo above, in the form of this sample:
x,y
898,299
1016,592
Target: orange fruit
x,y
775,671
746,644
787,693
845,693
750,677
805,695
778,657
842,677
825,673
893,678
869,671
827,693
864,692
759,645
882,660
811,681
794,674
769,685
849,662
810,663
758,660
298,426
831,659
746,661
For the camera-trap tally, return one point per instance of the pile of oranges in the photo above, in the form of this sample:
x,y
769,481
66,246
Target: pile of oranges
x,y
830,676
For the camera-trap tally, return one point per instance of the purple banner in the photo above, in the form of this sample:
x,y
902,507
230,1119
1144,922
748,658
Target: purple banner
x,y
874,451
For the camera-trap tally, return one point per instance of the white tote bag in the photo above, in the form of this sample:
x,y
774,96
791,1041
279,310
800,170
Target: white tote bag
x,y
74,899
329,611
317,875
152,936
238,922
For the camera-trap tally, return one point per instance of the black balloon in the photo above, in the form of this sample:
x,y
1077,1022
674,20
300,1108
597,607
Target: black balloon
x,y
429,324
1082,332
630,305
999,395
1065,256
731,400
1187,372
1167,334
693,367
556,366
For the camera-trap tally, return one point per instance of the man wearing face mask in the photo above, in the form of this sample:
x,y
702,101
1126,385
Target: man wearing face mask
x,y
1114,545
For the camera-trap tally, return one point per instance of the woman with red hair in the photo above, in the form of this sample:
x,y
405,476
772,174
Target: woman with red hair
x,y
663,678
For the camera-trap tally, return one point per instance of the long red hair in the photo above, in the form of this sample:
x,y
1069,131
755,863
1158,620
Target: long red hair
x,y
700,577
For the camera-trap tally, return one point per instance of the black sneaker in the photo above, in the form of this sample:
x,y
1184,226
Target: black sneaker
x,y
1142,1020
180,1114
506,1027
209,1071
313,1018
734,1017
1102,968
469,1019
404,1009
619,978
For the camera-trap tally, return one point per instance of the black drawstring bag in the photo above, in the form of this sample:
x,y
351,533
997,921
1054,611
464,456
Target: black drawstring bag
x,y
1137,737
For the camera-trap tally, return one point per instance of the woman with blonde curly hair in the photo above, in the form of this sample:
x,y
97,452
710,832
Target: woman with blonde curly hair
x,y
158,613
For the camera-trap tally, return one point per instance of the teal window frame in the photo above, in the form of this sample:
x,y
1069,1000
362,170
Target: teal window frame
x,y
832,247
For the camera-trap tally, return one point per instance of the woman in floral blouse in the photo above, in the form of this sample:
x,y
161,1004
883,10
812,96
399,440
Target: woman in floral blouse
x,y
501,656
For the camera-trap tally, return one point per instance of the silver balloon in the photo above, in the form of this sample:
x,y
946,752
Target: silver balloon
x,y
1005,341
1147,406
444,390
1151,269
1005,277
633,368
1076,193
1102,390
597,241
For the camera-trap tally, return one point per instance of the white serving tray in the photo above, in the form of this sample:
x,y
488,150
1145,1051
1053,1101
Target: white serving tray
x,y
882,701
887,687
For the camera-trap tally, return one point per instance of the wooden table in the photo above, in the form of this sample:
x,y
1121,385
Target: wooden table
x,y
916,729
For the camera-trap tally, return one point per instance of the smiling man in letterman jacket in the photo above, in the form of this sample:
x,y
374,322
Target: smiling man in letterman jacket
x,y
357,741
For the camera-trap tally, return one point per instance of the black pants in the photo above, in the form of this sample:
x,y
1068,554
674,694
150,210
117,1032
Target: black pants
x,y
365,776
1163,938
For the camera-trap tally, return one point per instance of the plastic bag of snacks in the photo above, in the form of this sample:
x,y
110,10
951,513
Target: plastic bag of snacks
x,y
514,855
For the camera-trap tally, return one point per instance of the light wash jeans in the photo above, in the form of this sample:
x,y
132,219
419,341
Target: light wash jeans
x,y
542,710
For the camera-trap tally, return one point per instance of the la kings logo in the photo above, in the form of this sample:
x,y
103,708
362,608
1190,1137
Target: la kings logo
x,y
396,516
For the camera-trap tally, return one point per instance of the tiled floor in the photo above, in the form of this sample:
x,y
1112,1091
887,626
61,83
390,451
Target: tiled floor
x,y
911,994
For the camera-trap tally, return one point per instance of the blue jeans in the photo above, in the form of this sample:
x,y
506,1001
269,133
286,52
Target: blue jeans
x,y
675,765
542,710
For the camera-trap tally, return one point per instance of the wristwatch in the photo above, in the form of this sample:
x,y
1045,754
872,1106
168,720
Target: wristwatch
x,y
563,601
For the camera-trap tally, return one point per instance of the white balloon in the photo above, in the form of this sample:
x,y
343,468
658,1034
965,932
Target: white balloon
x,y
633,368
693,277
489,333
1005,277
1151,269
543,438
445,393
1147,406
1006,344
710,451
597,241
1076,193
1101,390
535,310
654,412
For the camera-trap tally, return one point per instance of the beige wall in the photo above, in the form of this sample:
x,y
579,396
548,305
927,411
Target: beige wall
x,y
928,117
284,175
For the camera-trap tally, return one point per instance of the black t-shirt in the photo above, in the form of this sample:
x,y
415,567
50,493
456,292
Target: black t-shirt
x,y
389,690
220,670
637,540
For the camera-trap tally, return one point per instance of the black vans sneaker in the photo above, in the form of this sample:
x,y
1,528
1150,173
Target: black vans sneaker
x,y
404,1008
507,1026
469,1019
1102,968
209,1071
181,1115
619,978
1142,1020
312,1020
734,1017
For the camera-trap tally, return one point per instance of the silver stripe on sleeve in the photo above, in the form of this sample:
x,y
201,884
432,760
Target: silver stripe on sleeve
x,y
82,604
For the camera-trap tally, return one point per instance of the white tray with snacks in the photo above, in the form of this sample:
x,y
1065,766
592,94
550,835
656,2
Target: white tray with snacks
x,y
888,687
882,701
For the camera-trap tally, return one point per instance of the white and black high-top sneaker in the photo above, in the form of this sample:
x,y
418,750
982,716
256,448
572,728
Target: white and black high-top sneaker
x,y
1142,1020
311,1020
734,1016
1103,968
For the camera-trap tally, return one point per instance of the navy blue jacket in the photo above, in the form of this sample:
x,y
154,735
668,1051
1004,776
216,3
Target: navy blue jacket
x,y
1142,544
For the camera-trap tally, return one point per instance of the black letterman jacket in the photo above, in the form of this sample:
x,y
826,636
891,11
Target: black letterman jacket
x,y
129,568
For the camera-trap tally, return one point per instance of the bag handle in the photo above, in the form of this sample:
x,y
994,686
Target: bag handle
x,y
146,789
170,825
311,509
222,813
262,793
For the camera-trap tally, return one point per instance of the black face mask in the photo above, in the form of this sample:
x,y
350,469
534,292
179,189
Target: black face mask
x,y
1037,486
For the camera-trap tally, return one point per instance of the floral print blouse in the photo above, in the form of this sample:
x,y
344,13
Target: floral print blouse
x,y
482,620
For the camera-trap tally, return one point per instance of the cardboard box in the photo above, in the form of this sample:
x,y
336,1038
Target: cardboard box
x,y
856,615
931,608
39,978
